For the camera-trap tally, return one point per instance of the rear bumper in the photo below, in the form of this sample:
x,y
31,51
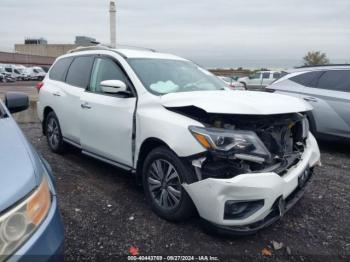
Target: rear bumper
x,y
210,195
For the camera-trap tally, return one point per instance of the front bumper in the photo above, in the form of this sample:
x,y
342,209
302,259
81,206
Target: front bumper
x,y
210,195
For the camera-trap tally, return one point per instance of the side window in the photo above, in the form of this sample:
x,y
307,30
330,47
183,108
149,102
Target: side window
x,y
266,75
255,76
335,80
105,69
276,75
59,69
307,79
79,71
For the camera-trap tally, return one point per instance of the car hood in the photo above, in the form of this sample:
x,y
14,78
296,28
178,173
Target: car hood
x,y
236,102
17,165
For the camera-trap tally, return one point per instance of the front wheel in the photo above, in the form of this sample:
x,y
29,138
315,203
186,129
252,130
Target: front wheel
x,y
163,176
54,134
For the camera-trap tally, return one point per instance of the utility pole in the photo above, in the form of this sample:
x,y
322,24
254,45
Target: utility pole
x,y
112,23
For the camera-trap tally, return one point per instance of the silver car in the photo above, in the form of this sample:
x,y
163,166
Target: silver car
x,y
327,89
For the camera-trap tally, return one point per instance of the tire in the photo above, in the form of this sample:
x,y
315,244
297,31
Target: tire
x,y
167,198
53,134
244,85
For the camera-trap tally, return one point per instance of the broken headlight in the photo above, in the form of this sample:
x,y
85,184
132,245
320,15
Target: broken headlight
x,y
245,145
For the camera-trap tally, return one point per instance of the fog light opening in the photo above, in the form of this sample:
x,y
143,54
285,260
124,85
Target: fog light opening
x,y
241,209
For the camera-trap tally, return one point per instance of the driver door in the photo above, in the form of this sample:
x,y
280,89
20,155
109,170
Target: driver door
x,y
106,121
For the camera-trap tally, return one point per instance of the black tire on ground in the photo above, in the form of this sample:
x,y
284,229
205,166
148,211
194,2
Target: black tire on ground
x,y
54,134
166,196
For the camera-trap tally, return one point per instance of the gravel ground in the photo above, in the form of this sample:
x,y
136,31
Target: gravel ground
x,y
105,213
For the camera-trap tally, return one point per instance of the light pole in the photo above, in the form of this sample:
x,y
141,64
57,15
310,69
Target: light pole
x,y
112,23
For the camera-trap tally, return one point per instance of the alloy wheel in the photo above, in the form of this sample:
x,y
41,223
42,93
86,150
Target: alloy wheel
x,y
53,132
164,184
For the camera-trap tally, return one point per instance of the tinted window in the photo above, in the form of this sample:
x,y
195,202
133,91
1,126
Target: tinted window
x,y
266,75
276,75
335,80
105,69
307,79
8,70
79,71
59,69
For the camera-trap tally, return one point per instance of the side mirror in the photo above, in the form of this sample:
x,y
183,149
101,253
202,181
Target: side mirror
x,y
16,101
113,86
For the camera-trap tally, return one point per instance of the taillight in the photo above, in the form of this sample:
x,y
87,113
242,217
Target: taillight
x,y
39,85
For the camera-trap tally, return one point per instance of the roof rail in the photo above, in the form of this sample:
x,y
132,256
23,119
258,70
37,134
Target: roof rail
x,y
137,48
87,48
307,66
106,47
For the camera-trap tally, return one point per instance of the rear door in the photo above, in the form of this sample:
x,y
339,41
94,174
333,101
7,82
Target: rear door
x,y
331,102
255,80
77,80
106,120
266,79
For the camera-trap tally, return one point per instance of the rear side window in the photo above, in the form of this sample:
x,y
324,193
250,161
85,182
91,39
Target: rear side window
x,y
335,80
79,71
276,75
266,75
59,69
307,79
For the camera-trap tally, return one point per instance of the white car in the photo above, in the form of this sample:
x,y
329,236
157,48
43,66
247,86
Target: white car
x,y
259,79
13,71
241,159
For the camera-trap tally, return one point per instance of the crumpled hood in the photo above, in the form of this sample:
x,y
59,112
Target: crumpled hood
x,y
17,168
236,102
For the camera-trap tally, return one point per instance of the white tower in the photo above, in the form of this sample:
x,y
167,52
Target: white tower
x,y
112,23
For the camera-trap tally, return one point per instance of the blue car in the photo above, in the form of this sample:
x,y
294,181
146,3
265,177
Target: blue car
x,y
31,228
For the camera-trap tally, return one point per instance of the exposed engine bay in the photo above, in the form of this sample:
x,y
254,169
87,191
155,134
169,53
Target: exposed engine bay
x,y
239,144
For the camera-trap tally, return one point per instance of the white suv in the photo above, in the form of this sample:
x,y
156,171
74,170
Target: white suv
x,y
241,159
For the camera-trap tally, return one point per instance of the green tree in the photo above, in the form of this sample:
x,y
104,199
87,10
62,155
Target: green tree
x,y
315,58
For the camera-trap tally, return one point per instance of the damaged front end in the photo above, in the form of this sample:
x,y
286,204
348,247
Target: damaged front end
x,y
240,144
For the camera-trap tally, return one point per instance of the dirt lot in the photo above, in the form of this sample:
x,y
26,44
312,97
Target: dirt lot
x,y
105,213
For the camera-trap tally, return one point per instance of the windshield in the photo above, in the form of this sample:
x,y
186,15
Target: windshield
x,y
163,76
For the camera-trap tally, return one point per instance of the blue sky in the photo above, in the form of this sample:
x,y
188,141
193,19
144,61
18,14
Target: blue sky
x,y
208,31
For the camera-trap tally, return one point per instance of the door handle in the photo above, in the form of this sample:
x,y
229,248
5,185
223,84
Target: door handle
x,y
310,99
56,94
85,106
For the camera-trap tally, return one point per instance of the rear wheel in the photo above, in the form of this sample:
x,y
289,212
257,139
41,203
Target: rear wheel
x,y
163,175
53,133
244,85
